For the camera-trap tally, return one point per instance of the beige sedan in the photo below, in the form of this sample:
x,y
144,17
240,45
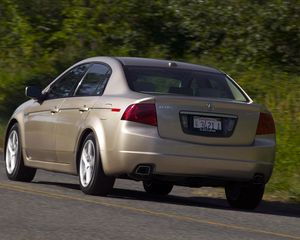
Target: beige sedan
x,y
162,122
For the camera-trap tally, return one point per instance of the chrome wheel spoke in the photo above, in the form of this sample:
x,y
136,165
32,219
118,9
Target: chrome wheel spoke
x,y
88,174
14,141
84,157
90,149
13,161
83,173
10,146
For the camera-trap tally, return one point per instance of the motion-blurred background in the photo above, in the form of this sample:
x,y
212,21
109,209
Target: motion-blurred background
x,y
257,42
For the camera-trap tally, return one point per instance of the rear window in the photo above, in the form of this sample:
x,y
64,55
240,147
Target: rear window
x,y
167,81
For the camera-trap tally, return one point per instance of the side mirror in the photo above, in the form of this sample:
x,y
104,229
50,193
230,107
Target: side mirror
x,y
33,92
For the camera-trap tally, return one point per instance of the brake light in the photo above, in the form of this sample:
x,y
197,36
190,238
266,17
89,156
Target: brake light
x,y
266,124
141,113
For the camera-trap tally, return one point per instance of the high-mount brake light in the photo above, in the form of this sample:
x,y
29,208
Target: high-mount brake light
x,y
142,113
266,124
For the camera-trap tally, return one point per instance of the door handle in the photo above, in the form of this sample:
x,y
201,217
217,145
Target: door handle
x,y
83,109
55,110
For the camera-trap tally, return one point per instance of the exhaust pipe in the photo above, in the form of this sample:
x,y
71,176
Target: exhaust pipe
x,y
144,170
259,178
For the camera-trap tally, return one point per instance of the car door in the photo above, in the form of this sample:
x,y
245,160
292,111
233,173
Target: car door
x,y
75,110
41,118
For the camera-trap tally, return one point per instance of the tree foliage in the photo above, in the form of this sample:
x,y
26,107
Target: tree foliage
x,y
257,42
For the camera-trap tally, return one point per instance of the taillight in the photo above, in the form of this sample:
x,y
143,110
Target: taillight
x,y
141,113
266,124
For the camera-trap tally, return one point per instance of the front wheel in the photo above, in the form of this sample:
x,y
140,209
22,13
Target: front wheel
x,y
157,188
246,196
14,164
92,178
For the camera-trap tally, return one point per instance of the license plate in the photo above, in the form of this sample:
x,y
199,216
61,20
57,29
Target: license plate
x,y
206,124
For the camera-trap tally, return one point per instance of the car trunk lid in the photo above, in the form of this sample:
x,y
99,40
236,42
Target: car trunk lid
x,y
207,121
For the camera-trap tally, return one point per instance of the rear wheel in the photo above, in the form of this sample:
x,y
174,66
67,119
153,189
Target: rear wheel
x,y
157,188
244,196
92,178
14,164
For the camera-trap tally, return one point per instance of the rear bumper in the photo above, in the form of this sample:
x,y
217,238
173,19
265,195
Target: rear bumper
x,y
143,145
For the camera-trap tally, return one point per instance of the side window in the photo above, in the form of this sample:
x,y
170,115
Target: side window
x,y
94,81
65,86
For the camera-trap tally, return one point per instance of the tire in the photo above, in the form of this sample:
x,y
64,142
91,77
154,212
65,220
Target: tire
x,y
245,197
14,163
157,188
92,178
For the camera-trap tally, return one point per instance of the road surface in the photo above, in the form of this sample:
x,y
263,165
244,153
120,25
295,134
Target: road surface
x,y
53,207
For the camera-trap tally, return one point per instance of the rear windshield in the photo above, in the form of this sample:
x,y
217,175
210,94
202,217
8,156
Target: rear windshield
x,y
167,81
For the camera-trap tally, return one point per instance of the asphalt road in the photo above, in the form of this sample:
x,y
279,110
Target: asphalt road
x,y
53,207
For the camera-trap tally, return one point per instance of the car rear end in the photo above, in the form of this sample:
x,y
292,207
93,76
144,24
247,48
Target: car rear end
x,y
195,127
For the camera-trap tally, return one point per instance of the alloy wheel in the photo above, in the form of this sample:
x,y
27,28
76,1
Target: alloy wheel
x,y
87,163
12,150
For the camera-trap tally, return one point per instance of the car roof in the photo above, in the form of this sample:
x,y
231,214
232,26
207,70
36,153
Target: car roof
x,y
150,62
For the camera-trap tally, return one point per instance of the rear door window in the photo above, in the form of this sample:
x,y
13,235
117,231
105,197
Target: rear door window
x,y
94,81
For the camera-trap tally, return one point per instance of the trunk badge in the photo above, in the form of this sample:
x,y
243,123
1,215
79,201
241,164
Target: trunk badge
x,y
210,107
